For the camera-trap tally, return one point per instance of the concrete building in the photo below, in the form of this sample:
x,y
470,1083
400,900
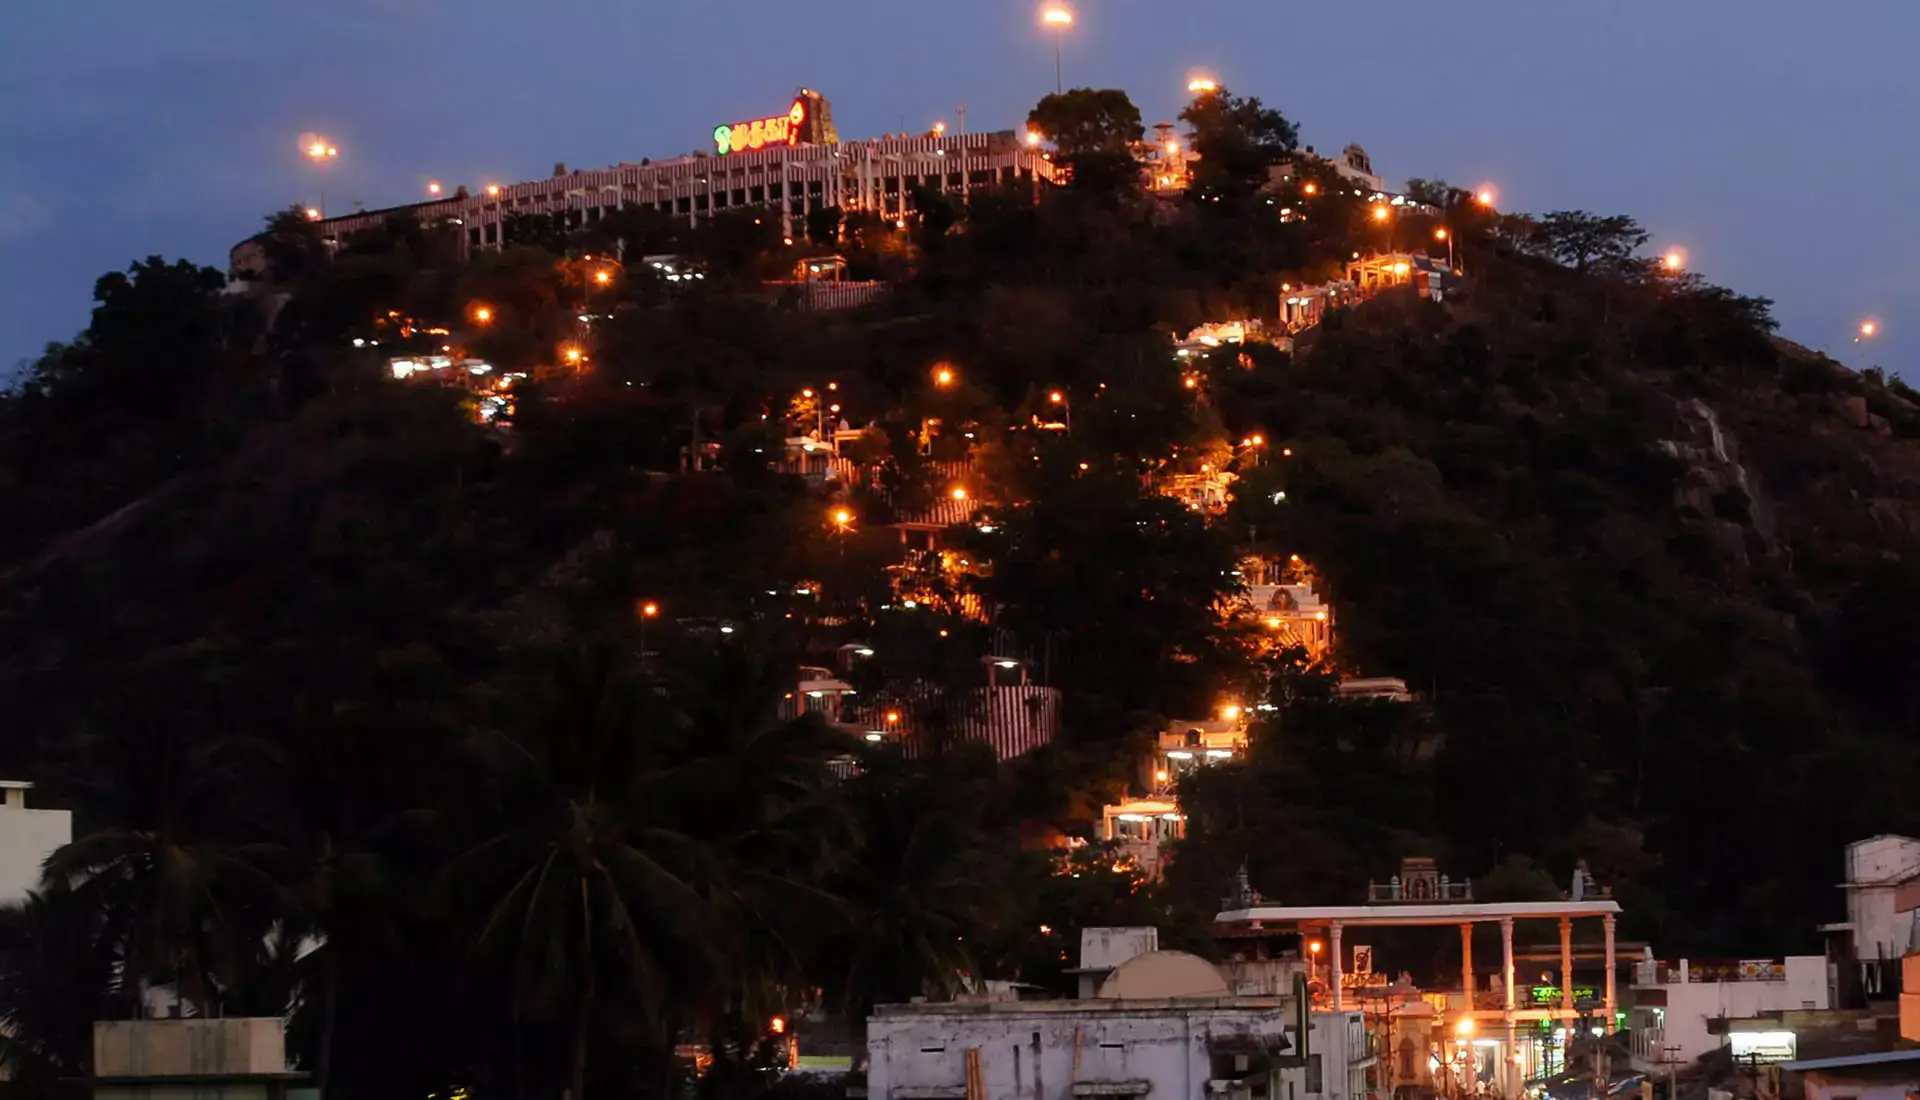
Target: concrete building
x,y
27,838
241,1058
1865,949
1162,1024
804,170
1887,1075
1682,1010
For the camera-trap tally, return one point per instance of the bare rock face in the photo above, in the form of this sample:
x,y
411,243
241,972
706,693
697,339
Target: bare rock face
x,y
1716,488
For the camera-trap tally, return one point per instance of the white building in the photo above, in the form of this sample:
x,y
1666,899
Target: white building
x,y
1876,932
1163,1025
1679,1010
239,1058
27,838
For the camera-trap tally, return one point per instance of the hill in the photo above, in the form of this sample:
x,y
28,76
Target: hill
x,y
378,643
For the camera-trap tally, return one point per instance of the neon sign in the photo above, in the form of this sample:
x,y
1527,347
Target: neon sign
x,y
742,137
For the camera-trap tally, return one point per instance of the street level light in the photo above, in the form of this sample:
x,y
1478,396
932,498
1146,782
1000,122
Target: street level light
x,y
943,376
1485,196
1057,17
1201,85
1441,234
483,314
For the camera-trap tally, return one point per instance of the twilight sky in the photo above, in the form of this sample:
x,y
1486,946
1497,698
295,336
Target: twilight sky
x,y
1774,140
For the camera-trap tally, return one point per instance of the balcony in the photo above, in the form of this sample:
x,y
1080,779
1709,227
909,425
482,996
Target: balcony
x,y
1419,891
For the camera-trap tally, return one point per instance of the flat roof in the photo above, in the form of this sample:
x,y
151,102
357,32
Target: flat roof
x,y
1086,1004
1315,916
1881,1057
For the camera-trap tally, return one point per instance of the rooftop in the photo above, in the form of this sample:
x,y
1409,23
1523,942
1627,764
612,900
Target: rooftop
x,y
1314,916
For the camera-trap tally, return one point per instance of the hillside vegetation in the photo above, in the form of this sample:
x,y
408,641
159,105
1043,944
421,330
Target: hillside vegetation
x,y
312,651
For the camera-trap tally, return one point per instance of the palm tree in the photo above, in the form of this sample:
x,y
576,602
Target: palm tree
x,y
185,893
55,968
587,881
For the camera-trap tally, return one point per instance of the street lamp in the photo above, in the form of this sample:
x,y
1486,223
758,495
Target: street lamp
x,y
1057,17
1869,329
1201,85
1485,196
433,187
943,376
1059,397
959,493
1674,261
483,314
1441,234
321,152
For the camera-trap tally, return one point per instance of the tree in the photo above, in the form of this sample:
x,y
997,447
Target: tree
x,y
1094,132
1581,240
586,883
1238,139
823,226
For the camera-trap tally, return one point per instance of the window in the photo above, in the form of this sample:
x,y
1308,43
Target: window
x,y
473,235
774,190
756,193
739,196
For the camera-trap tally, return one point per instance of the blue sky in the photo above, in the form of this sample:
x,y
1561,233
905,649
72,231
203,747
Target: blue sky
x,y
1771,140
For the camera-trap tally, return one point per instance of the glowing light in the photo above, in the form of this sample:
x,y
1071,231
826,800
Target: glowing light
x,y
1310,188
1869,329
1057,397
1033,138
574,355
1464,1027
807,393
939,128
1674,260
777,1025
842,517
483,314
1160,776
1313,946
493,190
1485,196
433,187
313,213
649,610
1190,382
1173,148
875,735
1230,712
739,137
943,376
1440,234
893,718
1057,16
1201,85
603,277
959,492
1380,212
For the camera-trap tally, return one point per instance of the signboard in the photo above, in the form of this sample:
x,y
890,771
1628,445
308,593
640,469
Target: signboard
x,y
1550,994
759,133
1362,958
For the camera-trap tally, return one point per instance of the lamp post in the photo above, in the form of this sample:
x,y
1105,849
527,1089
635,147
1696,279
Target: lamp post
x,y
1059,397
1058,17
320,152
1441,234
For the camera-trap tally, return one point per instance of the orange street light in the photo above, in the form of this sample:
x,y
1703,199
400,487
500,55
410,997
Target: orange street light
x,y
1313,946
1033,138
1057,17
1230,712
777,1025
649,610
943,376
483,314
959,492
1485,196
433,187
493,190
1310,188
807,393
893,718
603,276
1869,329
939,129
1464,1028
1160,775
574,356
842,518
1057,397
1674,260
1380,212
1200,85
313,213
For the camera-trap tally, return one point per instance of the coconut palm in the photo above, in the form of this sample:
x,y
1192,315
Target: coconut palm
x,y
585,891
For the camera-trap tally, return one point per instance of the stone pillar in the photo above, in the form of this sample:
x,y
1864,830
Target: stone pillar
x,y
1607,923
1566,967
1510,1060
1335,966
1466,965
